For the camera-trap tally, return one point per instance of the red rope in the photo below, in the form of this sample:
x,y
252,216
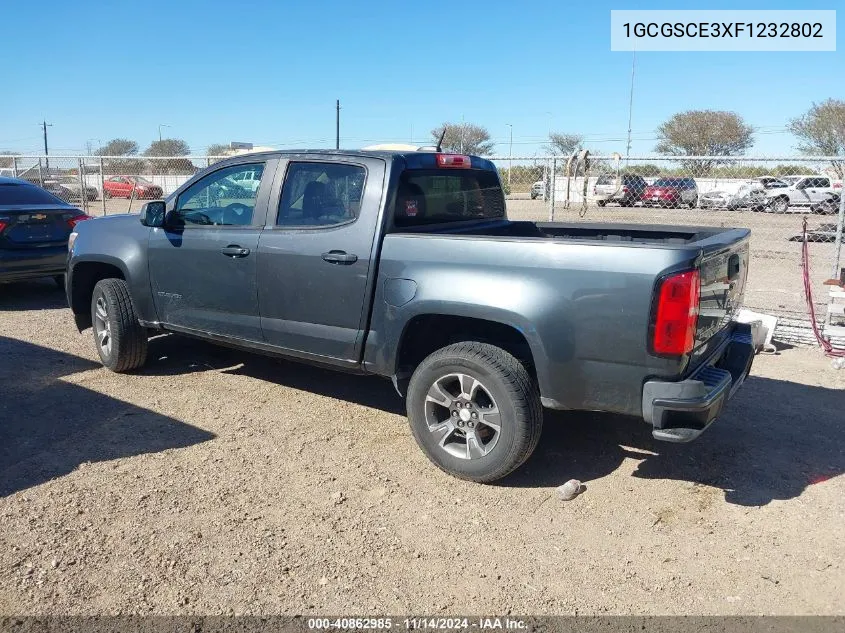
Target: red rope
x,y
829,350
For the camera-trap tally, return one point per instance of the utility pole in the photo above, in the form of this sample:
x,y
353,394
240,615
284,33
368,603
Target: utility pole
x,y
44,126
337,126
631,106
161,125
510,156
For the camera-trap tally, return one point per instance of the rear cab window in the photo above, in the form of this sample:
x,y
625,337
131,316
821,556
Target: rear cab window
x,y
438,196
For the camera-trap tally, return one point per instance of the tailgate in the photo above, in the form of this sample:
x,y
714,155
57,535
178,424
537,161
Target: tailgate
x,y
724,269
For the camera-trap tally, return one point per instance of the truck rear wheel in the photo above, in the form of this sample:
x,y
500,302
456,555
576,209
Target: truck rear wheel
x,y
120,339
475,411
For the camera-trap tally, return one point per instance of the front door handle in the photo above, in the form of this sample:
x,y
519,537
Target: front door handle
x,y
340,257
233,250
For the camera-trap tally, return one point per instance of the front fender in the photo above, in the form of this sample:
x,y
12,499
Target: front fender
x,y
121,242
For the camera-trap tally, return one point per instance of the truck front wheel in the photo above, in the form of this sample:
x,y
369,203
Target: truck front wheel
x,y
120,339
475,411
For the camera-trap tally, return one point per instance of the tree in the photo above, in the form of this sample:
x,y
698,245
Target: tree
x,y
646,170
564,144
118,147
6,160
218,149
168,147
705,133
466,138
821,131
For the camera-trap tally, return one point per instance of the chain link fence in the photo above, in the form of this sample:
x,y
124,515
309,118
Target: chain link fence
x,y
771,196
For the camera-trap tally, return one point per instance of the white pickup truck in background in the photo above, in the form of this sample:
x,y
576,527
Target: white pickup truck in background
x,y
801,191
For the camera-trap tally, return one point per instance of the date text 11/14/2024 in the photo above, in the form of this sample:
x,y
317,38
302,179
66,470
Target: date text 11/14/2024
x,y
417,623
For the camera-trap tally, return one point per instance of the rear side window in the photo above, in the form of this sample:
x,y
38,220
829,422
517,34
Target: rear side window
x,y
605,180
26,194
435,196
321,194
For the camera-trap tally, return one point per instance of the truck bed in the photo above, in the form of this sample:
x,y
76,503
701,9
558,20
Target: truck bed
x,y
650,235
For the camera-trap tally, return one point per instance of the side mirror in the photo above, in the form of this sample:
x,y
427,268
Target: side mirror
x,y
152,213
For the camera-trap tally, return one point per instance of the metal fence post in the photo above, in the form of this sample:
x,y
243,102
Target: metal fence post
x,y
83,192
103,186
40,176
837,248
15,166
552,190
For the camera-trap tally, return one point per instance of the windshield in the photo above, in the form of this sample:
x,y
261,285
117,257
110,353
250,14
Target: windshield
x,y
434,196
14,194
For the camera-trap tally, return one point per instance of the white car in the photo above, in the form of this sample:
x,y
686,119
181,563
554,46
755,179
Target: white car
x,y
804,192
538,190
249,180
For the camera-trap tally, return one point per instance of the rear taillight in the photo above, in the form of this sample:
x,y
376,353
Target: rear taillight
x,y
77,219
3,225
624,189
454,161
676,314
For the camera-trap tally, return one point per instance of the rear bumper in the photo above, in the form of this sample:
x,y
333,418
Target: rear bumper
x,y
681,411
31,263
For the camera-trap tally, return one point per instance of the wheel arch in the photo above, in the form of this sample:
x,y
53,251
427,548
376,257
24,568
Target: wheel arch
x,y
425,333
84,276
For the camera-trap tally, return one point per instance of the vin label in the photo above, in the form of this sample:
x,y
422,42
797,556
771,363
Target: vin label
x,y
714,30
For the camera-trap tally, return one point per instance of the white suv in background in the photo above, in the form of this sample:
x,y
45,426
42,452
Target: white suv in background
x,y
249,180
805,191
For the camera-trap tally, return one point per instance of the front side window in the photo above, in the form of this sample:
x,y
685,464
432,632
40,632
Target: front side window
x,y
218,199
321,194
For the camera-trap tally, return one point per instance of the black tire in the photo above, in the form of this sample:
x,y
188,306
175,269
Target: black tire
x,y
127,339
779,205
693,203
601,203
513,392
106,194
59,281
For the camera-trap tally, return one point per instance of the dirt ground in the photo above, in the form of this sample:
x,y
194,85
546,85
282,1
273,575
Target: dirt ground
x,y
215,481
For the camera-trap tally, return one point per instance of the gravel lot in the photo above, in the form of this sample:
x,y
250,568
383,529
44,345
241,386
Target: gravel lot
x,y
215,481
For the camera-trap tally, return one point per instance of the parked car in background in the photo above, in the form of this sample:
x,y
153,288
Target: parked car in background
x,y
123,186
671,192
828,206
625,189
69,189
538,190
247,180
750,195
34,230
804,192
403,264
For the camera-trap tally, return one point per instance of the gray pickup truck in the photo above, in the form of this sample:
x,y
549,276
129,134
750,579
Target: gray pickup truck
x,y
404,265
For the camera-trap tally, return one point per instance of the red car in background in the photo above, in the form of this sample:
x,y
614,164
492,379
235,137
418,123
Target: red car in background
x,y
671,192
122,187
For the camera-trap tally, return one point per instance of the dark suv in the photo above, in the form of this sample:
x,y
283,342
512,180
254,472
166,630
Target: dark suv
x,y
625,189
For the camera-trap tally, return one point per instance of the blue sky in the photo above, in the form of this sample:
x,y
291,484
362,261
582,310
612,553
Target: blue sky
x,y
269,72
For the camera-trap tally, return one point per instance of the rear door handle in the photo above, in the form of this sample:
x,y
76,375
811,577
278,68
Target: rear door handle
x,y
233,250
340,257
